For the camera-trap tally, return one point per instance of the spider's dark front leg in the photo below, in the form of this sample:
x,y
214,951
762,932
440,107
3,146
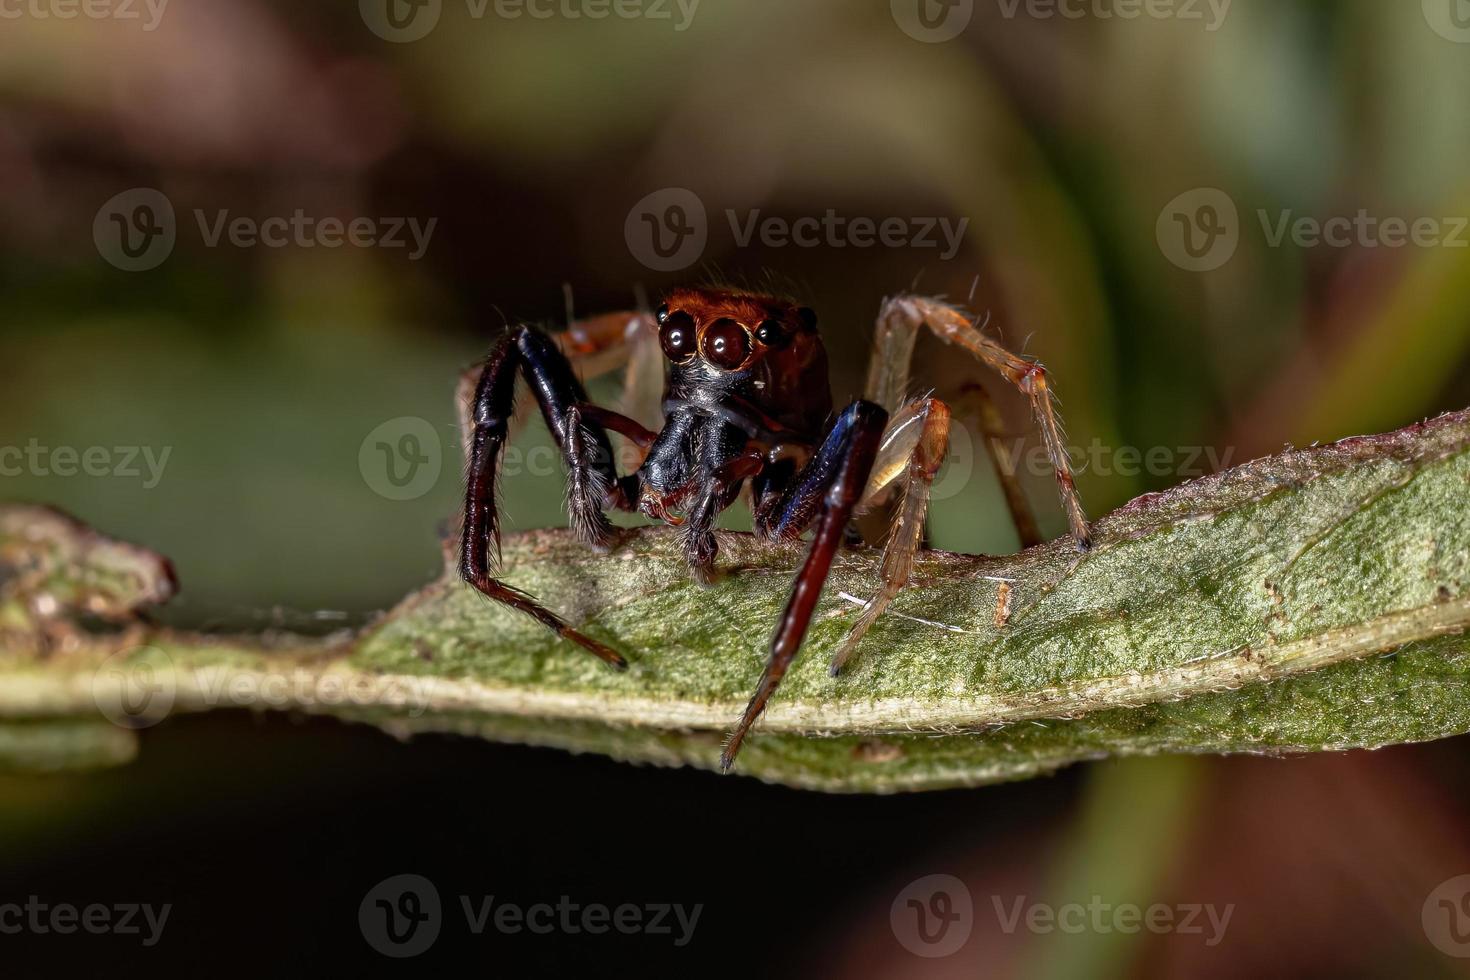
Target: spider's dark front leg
x,y
584,444
826,490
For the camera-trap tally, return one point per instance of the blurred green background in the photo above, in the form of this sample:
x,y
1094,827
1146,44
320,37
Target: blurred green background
x,y
1076,147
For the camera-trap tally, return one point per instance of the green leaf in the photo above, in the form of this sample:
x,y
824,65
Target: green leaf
x,y
1311,601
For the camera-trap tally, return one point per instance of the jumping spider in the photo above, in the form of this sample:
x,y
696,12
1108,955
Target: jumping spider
x,y
745,398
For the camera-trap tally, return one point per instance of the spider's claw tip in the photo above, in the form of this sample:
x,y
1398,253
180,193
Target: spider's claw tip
x,y
1084,543
601,651
731,748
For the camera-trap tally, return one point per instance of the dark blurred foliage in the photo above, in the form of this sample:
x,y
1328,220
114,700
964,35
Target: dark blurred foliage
x,y
262,371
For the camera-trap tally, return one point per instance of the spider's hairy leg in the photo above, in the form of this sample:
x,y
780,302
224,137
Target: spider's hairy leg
x,y
827,489
911,452
595,346
601,344
527,351
898,325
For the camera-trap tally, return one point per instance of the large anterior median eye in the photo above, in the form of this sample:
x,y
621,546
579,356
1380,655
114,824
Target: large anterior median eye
x,y
676,336
725,344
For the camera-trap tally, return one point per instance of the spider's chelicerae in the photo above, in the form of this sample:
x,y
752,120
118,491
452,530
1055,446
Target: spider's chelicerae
x,y
745,398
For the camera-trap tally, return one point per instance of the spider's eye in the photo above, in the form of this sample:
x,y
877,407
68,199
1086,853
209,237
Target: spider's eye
x,y
808,317
662,313
726,344
772,333
676,335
